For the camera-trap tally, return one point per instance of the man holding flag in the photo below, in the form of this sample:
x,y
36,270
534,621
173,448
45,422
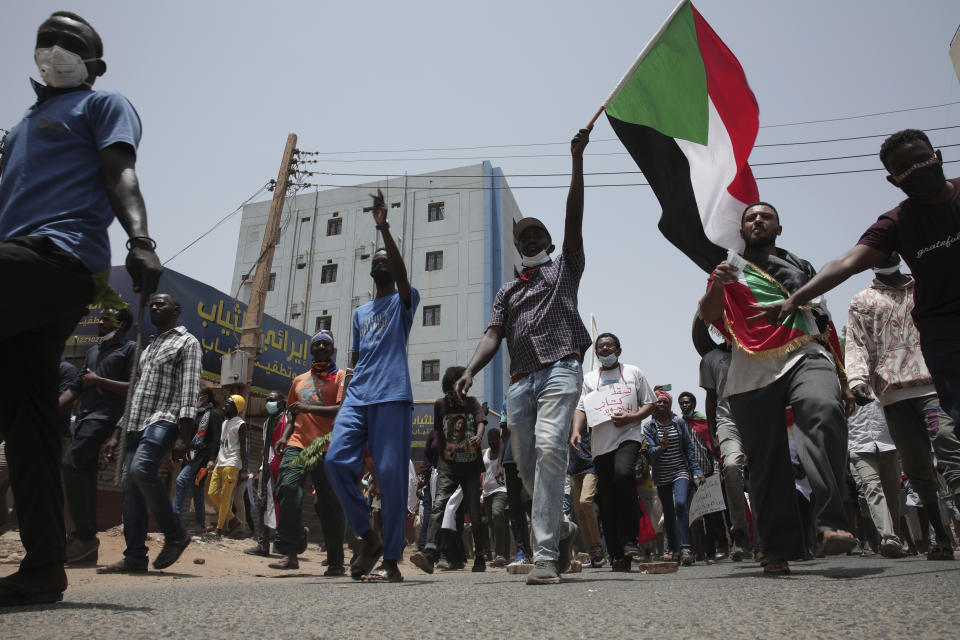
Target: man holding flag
x,y
773,367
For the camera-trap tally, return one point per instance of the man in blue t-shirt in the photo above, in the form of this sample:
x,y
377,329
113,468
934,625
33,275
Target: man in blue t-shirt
x,y
377,410
68,170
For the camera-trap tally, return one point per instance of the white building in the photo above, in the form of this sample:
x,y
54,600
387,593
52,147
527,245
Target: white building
x,y
455,231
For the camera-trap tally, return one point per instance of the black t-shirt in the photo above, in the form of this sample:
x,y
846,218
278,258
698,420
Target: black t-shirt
x,y
928,239
455,425
111,361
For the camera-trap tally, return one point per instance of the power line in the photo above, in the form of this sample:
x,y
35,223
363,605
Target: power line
x,y
588,173
610,153
594,186
549,144
218,223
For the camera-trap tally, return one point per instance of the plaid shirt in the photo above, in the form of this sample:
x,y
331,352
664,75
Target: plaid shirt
x,y
168,381
539,315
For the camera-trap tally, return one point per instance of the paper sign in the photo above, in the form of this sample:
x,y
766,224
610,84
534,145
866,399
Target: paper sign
x,y
708,498
610,399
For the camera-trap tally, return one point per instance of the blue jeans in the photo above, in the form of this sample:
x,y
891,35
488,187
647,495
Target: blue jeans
x,y
142,489
541,408
676,512
943,360
185,483
425,520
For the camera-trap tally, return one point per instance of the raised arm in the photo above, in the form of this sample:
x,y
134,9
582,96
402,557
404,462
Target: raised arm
x,y
573,228
117,166
394,259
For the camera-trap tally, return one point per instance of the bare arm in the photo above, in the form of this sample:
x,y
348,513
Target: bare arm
x,y
394,259
486,349
117,166
573,227
66,399
712,303
579,421
858,259
116,387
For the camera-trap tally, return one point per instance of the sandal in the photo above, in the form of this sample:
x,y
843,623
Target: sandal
x,y
776,568
940,552
285,564
837,543
15,592
384,573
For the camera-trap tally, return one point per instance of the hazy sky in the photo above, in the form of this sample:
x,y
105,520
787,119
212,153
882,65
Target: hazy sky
x,y
220,84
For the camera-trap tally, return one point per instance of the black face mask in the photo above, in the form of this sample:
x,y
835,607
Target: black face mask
x,y
925,183
381,275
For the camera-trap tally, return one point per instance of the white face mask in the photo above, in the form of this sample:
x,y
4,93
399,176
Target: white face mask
x,y
535,260
60,68
273,407
608,361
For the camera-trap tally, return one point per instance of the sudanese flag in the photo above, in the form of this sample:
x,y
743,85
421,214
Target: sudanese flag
x,y
687,116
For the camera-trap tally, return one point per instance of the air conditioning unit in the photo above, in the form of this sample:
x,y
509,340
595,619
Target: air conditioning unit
x,y
295,308
301,261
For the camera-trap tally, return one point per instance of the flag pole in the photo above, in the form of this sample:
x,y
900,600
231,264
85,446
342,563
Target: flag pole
x,y
636,63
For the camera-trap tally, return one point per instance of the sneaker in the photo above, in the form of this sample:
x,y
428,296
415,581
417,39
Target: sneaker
x,y
479,565
566,548
334,572
686,557
171,551
736,552
631,550
499,561
443,563
423,560
597,561
544,572
257,551
520,559
456,565
83,551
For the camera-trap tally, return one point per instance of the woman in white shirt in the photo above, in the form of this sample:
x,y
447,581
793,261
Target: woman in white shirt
x,y
614,401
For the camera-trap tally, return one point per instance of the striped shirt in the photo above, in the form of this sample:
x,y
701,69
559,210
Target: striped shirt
x,y
671,464
168,381
539,316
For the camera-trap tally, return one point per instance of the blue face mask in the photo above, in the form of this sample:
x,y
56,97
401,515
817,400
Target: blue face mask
x,y
608,361
273,408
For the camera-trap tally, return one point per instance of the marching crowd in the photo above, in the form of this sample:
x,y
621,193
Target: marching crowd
x,y
806,433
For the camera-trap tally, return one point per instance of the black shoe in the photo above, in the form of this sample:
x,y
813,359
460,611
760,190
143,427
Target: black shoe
x,y
171,551
631,550
334,572
366,558
622,565
479,565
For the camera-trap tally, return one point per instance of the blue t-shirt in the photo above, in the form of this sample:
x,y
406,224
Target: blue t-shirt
x,y
51,184
380,331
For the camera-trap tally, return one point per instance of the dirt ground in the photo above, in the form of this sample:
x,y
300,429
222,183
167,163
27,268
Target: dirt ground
x,y
205,559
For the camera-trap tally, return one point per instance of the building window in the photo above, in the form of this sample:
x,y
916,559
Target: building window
x,y
434,260
431,315
334,226
429,370
323,322
272,282
434,211
328,273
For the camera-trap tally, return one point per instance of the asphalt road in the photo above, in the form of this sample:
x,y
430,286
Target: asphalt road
x,y
833,598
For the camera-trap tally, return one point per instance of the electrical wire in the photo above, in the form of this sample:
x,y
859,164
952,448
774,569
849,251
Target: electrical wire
x,y
218,223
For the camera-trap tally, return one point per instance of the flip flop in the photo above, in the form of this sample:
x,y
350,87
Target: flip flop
x,y
383,574
837,544
15,594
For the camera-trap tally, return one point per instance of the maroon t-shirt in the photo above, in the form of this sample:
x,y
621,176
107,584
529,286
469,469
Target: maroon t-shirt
x,y
927,237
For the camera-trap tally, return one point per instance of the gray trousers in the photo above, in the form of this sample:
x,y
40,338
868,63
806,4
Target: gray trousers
x,y
820,433
879,474
734,460
912,423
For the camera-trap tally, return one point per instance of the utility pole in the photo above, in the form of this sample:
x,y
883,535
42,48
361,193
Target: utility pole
x,y
252,331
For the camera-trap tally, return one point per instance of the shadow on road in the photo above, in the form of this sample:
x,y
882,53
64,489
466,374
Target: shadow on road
x,y
94,606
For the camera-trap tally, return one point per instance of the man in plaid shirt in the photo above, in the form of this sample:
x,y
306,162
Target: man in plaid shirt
x,y
161,419
537,313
